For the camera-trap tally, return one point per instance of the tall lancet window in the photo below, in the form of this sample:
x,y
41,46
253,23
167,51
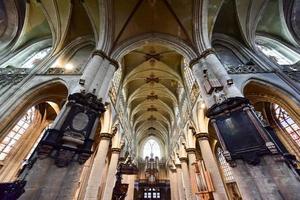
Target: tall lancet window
x,y
151,149
227,172
287,123
16,133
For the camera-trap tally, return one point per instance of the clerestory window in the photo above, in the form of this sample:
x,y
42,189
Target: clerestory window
x,y
277,52
36,58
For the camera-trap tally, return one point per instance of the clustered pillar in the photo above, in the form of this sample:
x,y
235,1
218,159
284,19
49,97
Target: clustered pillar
x,y
68,143
246,144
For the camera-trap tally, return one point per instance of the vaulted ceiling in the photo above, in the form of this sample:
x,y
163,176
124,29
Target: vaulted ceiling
x,y
137,17
152,72
151,82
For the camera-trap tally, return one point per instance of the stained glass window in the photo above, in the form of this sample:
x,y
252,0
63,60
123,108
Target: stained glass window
x,y
287,123
151,147
227,172
15,134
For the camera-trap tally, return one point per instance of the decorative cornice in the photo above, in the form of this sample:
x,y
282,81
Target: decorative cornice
x,y
105,136
104,55
201,136
203,55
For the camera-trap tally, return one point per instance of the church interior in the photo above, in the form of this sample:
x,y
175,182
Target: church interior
x,y
149,99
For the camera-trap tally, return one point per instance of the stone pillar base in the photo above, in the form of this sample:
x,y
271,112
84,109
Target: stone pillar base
x,y
271,179
46,181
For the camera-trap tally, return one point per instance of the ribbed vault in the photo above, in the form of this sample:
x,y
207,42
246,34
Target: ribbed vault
x,y
151,82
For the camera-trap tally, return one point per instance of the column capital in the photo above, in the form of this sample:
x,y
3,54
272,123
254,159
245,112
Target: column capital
x,y
204,54
104,55
202,136
105,136
190,150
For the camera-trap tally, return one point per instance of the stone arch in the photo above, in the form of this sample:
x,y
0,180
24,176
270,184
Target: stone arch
x,y
18,56
71,51
164,39
44,102
54,90
158,140
265,91
263,95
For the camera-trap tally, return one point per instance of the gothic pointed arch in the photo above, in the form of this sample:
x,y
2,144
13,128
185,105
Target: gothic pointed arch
x,y
274,107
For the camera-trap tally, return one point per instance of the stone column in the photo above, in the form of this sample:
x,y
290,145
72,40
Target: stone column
x,y
211,166
209,63
173,183
130,193
63,149
192,160
212,62
185,171
111,176
248,146
97,74
199,76
180,188
186,178
97,168
68,143
246,184
91,69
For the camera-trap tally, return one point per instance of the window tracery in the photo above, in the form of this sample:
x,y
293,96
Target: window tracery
x,y
287,123
151,147
16,133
